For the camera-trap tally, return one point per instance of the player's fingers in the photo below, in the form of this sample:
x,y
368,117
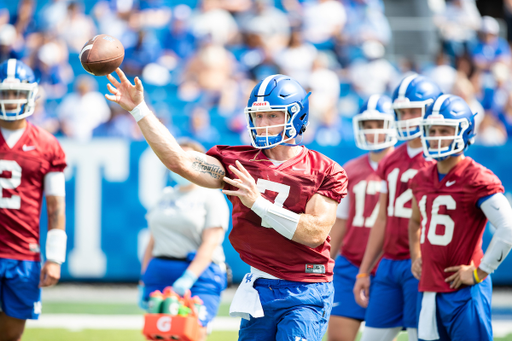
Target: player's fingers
x,y
138,84
113,80
111,98
112,90
234,193
452,268
238,173
122,76
41,277
452,277
242,168
236,183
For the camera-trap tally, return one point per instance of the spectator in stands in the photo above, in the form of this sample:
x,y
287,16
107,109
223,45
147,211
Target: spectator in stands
x,y
52,14
213,22
270,23
187,227
200,127
505,115
52,68
120,124
146,50
457,25
41,117
463,88
83,110
374,74
115,18
178,43
206,74
297,59
490,48
442,73
7,43
325,93
76,28
365,21
23,19
323,22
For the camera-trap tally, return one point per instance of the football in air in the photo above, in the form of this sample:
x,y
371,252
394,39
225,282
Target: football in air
x,y
102,55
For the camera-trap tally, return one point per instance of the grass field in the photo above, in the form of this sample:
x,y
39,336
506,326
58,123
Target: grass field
x,y
57,334
130,335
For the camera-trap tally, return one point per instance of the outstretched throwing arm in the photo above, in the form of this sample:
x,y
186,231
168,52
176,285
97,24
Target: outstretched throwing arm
x,y
199,168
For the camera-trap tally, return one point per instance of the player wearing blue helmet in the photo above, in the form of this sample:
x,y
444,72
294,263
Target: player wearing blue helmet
x,y
452,201
31,159
394,289
284,200
374,130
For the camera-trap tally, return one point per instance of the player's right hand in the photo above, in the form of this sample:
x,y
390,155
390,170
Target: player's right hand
x,y
362,291
416,268
125,94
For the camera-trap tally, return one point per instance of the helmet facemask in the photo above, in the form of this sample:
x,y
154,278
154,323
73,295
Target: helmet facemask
x,y
409,129
17,100
361,134
432,145
267,141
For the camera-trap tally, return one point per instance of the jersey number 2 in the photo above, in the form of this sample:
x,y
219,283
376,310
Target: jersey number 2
x,y
14,202
437,219
396,208
283,191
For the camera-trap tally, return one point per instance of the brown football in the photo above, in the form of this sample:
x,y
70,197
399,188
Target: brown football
x,y
102,55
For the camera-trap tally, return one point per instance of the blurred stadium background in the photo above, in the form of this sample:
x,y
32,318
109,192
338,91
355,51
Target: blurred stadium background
x,y
198,60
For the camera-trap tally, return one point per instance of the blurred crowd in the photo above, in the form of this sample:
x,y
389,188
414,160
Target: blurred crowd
x,y
199,60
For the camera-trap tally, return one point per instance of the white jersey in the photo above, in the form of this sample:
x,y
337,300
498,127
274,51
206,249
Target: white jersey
x,y
179,218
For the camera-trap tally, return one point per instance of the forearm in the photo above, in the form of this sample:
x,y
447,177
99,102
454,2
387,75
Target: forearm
x,y
148,255
202,259
56,209
312,231
373,247
337,234
163,143
414,239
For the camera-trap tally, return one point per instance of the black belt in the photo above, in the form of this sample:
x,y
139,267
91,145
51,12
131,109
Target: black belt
x,y
172,258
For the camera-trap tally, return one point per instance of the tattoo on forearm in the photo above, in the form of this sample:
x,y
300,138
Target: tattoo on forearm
x,y
56,213
202,166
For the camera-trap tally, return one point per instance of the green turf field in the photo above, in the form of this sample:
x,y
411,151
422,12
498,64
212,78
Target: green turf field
x,y
39,334
125,335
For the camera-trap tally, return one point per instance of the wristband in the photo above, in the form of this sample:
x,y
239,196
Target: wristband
x,y
140,111
362,275
475,277
56,246
283,221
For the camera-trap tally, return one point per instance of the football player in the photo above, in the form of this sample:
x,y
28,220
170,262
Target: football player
x,y
284,200
374,130
392,300
452,201
31,161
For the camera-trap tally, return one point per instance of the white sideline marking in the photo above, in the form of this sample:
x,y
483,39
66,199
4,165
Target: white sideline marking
x,y
127,322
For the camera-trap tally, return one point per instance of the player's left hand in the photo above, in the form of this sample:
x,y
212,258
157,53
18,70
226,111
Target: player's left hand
x,y
50,274
247,190
463,275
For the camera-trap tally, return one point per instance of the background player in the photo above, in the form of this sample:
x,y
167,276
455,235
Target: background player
x,y
452,201
284,200
374,130
187,227
394,292
30,160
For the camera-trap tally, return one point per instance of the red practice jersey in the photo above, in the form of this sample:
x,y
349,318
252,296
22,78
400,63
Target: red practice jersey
x,y
22,171
290,185
451,222
364,192
397,169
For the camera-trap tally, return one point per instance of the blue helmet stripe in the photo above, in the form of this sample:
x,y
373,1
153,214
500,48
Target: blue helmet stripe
x,y
263,88
372,102
405,84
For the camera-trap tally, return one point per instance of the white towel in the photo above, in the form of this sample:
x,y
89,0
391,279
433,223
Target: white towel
x,y
246,302
427,326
